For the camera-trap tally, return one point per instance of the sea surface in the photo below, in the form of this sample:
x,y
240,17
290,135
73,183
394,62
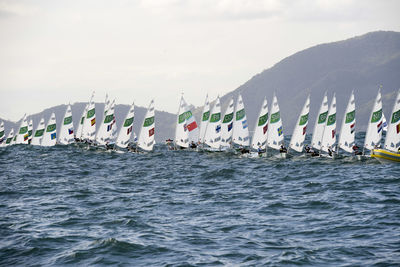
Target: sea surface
x,y
67,205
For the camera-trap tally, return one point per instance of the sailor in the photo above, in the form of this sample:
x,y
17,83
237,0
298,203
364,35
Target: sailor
x,y
330,151
283,149
307,149
398,150
356,150
193,145
259,150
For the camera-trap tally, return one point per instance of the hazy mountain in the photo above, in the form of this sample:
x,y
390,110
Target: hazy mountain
x,y
361,63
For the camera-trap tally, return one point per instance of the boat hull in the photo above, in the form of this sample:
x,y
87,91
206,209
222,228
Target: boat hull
x,y
384,155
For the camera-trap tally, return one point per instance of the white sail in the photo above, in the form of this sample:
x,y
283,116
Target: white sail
x,y
191,125
240,135
9,138
78,133
319,125
212,136
181,132
50,135
126,130
66,133
38,135
227,125
23,135
261,129
329,135
30,128
146,136
347,131
392,141
299,132
89,125
373,135
104,134
205,116
275,134
2,134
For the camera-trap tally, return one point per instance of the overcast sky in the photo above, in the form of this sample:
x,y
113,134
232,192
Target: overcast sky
x,y
54,52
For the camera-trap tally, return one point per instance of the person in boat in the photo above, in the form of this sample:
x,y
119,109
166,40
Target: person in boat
x,y
193,145
398,150
283,149
330,151
307,149
109,146
356,150
259,150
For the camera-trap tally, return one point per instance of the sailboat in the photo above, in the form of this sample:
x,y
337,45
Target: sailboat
x,y
391,150
37,137
146,135
275,137
329,135
240,135
23,135
126,130
89,124
104,134
319,125
50,135
67,128
259,141
191,126
299,132
78,134
205,116
227,126
212,137
347,132
181,131
9,138
30,128
373,135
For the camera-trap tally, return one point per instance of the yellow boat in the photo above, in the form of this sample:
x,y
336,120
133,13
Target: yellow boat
x,y
384,155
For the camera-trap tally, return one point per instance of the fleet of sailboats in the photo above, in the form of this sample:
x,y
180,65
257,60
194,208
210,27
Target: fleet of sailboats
x,y
221,133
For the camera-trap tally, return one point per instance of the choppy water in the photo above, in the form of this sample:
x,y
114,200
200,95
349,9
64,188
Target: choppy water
x,y
69,206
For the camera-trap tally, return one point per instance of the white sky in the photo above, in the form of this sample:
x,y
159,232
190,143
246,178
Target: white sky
x,y
54,52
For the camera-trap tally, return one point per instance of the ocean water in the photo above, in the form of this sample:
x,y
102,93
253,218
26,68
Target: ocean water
x,y
66,205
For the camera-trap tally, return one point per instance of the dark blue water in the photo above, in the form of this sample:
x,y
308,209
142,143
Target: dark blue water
x,y
70,206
